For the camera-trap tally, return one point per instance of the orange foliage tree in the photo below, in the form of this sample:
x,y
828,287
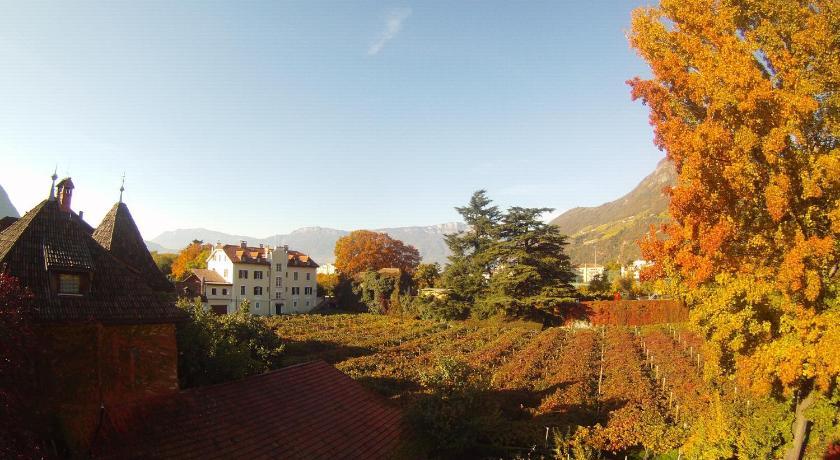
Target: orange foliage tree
x,y
745,100
364,250
193,256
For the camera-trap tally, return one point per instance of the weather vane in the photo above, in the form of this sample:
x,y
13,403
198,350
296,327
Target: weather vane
x,y
122,186
52,187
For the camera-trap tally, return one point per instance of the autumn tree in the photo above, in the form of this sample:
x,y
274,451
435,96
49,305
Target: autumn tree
x,y
193,256
327,283
364,250
164,261
745,99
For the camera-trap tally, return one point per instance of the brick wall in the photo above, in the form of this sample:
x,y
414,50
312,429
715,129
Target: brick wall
x,y
82,366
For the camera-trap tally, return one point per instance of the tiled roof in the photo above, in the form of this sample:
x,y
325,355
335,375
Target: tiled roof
x,y
307,411
119,234
210,276
247,255
47,239
299,259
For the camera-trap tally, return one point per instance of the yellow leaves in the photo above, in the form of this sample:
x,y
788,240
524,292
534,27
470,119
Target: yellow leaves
x,y
776,196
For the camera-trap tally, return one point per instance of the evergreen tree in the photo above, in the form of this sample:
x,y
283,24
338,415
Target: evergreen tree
x,y
469,266
531,272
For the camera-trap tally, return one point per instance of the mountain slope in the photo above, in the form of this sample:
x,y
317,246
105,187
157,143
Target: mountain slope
x,y
319,242
613,228
6,206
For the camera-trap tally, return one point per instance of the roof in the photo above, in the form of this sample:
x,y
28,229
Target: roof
x,y
119,234
247,255
46,239
307,411
210,276
6,221
299,259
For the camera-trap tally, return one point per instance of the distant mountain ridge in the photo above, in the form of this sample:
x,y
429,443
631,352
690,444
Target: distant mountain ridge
x,y
613,228
6,206
318,242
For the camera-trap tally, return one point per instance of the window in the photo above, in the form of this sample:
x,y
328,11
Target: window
x,y
69,284
224,291
278,267
287,274
295,291
287,288
257,274
307,303
308,276
242,290
295,303
296,274
213,291
243,274
278,282
307,290
277,294
257,290
258,305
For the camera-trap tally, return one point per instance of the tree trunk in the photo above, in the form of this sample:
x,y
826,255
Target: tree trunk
x,y
800,427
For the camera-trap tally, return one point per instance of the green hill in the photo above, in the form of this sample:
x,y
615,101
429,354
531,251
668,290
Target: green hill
x,y
613,228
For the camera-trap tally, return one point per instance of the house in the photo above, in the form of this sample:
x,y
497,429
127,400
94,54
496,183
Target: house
x,y
105,335
274,280
107,363
635,268
306,411
586,272
327,269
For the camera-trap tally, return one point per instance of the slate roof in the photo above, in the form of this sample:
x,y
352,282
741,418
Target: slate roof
x,y
307,411
7,221
47,239
299,259
119,234
210,276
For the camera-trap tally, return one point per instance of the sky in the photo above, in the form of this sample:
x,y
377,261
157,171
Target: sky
x,y
258,118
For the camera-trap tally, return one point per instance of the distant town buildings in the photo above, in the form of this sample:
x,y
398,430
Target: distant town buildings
x,y
586,272
327,269
635,268
274,280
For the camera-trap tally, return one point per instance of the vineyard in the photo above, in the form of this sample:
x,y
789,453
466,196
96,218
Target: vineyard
x,y
611,390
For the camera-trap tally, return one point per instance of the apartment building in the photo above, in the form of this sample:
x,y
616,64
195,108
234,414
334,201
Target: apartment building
x,y
275,280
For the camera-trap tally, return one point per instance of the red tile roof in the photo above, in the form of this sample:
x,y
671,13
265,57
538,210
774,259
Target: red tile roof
x,y
210,276
307,411
299,259
247,255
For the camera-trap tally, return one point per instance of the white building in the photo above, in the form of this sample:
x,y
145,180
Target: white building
x,y
635,268
274,280
326,269
586,272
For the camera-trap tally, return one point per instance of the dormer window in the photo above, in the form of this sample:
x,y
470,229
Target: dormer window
x,y
69,283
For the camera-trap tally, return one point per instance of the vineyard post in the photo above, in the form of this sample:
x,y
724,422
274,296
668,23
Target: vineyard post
x,y
663,383
657,372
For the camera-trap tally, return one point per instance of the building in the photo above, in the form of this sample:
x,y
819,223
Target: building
x,y
306,411
586,272
274,280
635,268
107,359
327,269
106,336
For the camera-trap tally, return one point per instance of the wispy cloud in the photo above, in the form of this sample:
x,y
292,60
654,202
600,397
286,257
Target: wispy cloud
x,y
393,25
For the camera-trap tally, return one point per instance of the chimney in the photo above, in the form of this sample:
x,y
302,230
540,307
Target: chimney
x,y
65,194
243,244
81,214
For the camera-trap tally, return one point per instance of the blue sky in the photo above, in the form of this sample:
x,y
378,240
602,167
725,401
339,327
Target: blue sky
x,y
259,118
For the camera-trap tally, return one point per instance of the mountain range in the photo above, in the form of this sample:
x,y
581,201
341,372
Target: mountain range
x,y
609,232
604,233
318,242
6,206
